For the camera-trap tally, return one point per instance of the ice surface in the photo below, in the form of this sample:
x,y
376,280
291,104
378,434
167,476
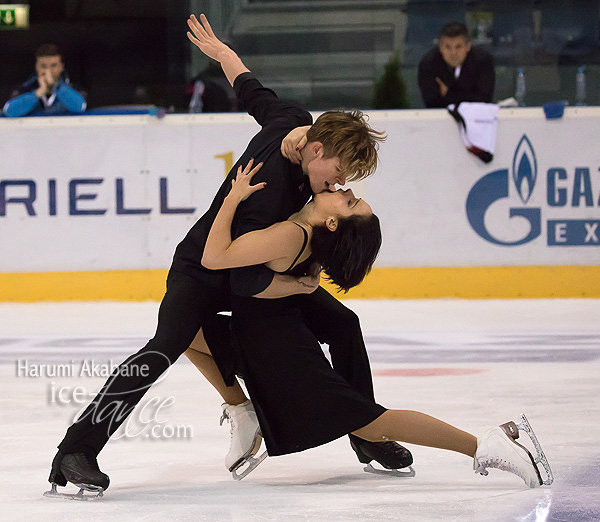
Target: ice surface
x,y
470,363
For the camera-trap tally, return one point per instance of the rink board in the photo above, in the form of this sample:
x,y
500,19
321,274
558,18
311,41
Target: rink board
x,y
93,207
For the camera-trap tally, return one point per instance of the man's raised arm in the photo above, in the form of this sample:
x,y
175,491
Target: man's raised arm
x,y
204,38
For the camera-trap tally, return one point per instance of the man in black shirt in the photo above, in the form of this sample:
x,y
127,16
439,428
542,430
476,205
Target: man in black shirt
x,y
455,72
195,294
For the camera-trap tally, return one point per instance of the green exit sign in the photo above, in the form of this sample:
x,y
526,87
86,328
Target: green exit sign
x,y
14,16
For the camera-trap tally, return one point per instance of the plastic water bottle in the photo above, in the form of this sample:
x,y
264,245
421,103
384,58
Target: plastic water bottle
x,y
520,87
580,87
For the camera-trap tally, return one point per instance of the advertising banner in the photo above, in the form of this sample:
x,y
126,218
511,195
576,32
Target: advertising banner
x,y
536,203
119,193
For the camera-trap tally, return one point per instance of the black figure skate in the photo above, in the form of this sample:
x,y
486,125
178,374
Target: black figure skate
x,y
391,455
80,469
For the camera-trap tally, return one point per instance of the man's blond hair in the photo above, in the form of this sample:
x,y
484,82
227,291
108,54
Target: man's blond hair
x,y
348,136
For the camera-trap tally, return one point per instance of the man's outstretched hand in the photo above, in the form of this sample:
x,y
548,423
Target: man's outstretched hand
x,y
284,285
204,38
310,282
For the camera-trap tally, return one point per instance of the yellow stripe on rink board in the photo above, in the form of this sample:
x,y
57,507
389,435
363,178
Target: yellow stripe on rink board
x,y
401,283
111,285
479,282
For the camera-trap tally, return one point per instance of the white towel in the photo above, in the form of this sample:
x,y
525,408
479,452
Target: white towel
x,y
477,124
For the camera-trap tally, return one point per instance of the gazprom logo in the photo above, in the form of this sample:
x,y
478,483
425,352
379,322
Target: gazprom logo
x,y
571,202
494,187
524,169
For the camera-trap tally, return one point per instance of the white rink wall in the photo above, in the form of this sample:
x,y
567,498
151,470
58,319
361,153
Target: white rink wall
x,y
119,192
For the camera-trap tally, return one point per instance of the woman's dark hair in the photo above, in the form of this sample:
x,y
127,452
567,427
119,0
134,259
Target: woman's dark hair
x,y
348,253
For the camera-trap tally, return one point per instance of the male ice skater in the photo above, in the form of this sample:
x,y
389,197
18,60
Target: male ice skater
x,y
340,146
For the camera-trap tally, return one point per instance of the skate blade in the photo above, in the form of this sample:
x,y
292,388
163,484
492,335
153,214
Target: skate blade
x,y
256,443
252,462
541,457
410,472
53,493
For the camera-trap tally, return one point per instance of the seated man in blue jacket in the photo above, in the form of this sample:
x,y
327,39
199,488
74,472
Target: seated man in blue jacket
x,y
48,92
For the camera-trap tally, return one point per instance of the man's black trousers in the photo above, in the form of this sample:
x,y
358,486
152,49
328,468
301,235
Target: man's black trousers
x,y
186,306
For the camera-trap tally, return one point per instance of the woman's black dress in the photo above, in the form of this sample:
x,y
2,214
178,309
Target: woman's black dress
x,y
300,401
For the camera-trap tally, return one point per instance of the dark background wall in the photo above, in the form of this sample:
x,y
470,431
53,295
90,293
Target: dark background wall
x,y
322,54
118,51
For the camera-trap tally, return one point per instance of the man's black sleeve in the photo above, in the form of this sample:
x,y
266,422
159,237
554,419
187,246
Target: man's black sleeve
x,y
264,105
250,280
430,90
264,208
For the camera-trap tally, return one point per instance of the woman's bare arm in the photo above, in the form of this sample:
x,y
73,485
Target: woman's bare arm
x,y
257,247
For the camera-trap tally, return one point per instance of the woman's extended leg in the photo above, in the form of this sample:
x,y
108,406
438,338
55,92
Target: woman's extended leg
x,y
200,355
418,428
496,448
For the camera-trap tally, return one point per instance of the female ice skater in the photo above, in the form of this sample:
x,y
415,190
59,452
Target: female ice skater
x,y
300,401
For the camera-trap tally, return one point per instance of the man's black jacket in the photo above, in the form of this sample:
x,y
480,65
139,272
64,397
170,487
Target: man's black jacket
x,y
287,189
475,83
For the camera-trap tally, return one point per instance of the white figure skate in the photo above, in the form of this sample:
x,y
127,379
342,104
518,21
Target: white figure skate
x,y
498,448
245,439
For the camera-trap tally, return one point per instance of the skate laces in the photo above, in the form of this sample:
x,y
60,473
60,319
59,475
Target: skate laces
x,y
501,464
224,417
227,417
